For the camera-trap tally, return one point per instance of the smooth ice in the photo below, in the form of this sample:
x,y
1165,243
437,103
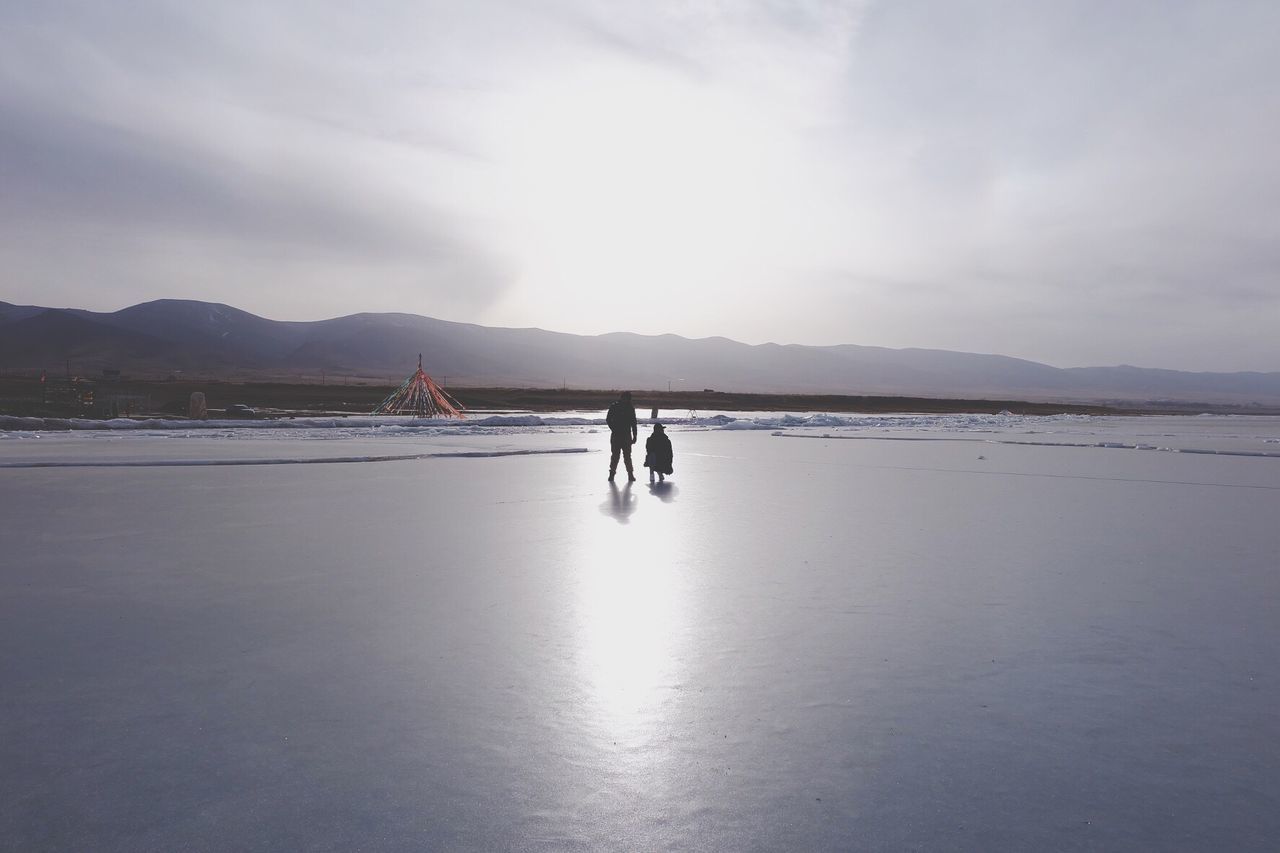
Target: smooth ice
x,y
799,642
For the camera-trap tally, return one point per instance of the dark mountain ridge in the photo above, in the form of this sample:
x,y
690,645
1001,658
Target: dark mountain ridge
x,y
220,341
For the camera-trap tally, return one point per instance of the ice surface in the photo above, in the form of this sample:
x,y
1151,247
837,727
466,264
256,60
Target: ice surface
x,y
956,643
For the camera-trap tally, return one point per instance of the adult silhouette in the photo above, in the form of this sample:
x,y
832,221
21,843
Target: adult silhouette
x,y
623,432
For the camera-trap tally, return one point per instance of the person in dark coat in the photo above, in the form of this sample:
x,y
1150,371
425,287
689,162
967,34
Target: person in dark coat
x,y
623,433
657,457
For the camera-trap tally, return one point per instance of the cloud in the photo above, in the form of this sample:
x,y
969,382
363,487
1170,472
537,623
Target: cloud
x,y
181,151
1080,182
1103,164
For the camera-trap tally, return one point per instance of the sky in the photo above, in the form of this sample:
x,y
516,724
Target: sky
x,y
1073,182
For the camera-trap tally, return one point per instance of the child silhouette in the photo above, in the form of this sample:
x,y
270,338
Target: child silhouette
x,y
657,456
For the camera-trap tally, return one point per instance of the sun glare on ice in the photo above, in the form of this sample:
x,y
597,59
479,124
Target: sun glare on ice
x,y
631,615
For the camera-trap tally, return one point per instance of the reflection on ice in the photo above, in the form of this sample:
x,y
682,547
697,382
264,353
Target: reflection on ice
x,y
665,490
630,614
811,645
627,614
620,503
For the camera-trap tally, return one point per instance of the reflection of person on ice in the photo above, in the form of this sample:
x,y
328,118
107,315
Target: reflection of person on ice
x,y
622,433
657,456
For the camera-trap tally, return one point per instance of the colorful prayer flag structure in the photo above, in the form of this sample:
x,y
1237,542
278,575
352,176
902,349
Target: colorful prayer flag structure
x,y
421,397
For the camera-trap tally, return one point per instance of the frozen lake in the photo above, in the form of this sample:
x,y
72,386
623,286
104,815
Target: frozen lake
x,y
824,633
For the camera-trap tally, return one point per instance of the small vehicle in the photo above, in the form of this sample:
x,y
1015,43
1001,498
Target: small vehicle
x,y
240,410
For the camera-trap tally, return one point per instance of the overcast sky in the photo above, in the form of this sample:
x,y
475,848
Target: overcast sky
x,y
1078,183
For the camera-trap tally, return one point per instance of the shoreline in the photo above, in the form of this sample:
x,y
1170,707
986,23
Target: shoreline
x,y
22,397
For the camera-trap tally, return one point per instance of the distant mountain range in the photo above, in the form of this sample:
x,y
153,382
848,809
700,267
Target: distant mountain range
x,y
171,336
